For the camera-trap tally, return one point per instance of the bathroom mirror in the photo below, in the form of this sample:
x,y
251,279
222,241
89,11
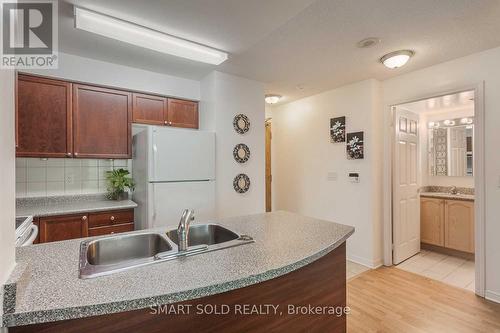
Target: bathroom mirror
x,y
450,147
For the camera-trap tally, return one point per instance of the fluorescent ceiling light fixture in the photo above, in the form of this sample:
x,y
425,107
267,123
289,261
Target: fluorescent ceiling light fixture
x,y
396,59
144,37
272,99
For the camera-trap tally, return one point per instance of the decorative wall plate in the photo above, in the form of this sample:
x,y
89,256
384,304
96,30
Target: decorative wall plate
x,y
241,124
241,183
241,153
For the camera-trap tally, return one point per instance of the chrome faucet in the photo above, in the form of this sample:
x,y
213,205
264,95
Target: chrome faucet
x,y
453,190
183,229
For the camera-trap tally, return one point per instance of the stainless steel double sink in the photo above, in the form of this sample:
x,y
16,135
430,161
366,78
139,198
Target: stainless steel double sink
x,y
117,253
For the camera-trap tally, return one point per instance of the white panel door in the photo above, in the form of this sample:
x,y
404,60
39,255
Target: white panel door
x,y
406,204
170,199
182,155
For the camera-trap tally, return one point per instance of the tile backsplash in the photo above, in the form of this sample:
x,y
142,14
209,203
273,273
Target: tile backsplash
x,y
40,177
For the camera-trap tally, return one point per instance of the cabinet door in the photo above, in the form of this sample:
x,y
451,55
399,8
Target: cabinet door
x,y
57,228
148,109
101,122
43,117
459,225
182,113
432,221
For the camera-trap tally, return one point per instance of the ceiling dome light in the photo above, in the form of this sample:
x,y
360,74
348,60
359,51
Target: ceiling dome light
x,y
396,59
272,99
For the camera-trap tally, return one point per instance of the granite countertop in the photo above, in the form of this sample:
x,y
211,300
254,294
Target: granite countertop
x,y
62,205
443,195
49,289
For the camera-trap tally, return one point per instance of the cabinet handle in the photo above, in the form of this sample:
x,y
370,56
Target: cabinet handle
x,y
68,154
170,123
112,232
165,122
84,218
76,154
112,218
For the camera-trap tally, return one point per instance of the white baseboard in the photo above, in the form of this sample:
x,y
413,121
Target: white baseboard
x,y
492,296
365,262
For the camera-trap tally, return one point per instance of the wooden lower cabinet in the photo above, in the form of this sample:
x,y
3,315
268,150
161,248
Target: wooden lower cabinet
x,y
447,223
432,221
459,225
57,228
64,227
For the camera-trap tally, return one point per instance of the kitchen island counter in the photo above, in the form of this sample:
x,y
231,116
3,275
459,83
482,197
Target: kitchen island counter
x,y
48,288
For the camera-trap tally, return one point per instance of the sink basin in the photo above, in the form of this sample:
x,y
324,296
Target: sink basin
x,y
113,254
208,234
114,250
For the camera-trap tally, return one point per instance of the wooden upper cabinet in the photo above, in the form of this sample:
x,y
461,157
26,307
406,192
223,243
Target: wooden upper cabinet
x,y
149,109
101,122
182,113
43,117
459,227
432,221
59,228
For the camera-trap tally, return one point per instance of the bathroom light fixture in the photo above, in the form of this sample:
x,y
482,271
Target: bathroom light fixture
x,y
131,33
448,122
466,121
272,99
396,59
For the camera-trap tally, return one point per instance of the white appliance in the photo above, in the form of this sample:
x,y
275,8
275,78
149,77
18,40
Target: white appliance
x,y
174,169
26,231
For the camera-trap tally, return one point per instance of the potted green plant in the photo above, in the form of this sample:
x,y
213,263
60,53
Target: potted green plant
x,y
119,181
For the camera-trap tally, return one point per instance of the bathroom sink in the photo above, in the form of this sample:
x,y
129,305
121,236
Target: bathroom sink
x,y
113,254
208,234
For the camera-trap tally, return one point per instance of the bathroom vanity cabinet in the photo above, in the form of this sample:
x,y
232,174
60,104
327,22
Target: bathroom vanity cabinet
x,y
447,223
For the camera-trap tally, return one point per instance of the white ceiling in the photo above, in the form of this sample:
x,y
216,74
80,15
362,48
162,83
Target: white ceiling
x,y
442,104
291,43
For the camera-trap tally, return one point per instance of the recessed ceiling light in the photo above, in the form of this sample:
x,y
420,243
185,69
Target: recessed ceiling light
x,y
368,42
396,59
131,33
272,98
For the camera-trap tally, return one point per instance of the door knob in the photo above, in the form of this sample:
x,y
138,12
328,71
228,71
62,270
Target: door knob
x,y
112,218
84,217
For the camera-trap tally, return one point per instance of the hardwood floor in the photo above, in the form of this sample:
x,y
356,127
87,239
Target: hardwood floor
x,y
389,300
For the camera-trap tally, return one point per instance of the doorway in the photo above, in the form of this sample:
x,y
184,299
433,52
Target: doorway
x,y
269,176
436,192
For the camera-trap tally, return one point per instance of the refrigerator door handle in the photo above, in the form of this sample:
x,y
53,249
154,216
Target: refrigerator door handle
x,y
154,202
155,156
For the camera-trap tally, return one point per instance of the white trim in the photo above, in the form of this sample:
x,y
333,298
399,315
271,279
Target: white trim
x,y
479,178
365,262
492,296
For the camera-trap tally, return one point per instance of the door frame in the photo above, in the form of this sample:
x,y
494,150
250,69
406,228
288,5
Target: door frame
x,y
479,177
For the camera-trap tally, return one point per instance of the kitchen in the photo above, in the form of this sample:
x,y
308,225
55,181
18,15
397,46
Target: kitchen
x,y
167,142
192,168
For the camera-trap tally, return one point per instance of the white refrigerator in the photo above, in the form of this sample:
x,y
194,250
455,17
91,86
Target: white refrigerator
x,y
174,169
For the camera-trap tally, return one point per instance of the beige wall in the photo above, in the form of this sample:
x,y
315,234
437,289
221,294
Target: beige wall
x,y
7,170
224,96
303,156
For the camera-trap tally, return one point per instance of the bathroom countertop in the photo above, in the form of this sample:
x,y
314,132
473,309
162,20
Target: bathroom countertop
x,y
449,196
63,205
49,288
